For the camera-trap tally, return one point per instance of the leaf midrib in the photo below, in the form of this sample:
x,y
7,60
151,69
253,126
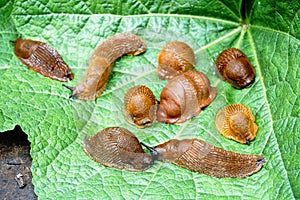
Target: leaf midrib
x,y
133,16
271,123
163,15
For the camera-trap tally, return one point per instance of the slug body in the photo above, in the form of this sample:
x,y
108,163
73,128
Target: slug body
x,y
102,61
175,58
43,59
237,122
198,156
234,67
140,106
117,147
184,97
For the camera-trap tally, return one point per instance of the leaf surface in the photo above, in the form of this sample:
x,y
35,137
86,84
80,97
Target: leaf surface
x,y
268,32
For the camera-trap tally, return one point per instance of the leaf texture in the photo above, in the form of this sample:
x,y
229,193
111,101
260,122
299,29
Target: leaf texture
x,y
268,32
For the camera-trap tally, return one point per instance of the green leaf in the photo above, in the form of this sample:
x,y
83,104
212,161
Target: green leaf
x,y
56,124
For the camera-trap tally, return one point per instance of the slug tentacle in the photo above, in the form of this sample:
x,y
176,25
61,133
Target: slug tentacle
x,y
153,151
102,62
70,88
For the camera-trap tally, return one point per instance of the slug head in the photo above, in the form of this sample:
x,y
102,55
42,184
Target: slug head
x,y
153,152
170,107
243,127
140,46
184,97
135,161
240,73
142,110
237,122
174,59
141,49
173,149
234,67
140,106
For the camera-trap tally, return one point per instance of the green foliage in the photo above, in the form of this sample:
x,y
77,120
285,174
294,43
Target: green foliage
x,y
56,124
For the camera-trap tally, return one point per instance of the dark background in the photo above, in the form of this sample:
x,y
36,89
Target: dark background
x,y
14,159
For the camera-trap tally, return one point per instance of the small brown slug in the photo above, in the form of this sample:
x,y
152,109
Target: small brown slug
x,y
117,147
234,67
184,97
43,59
102,61
198,156
140,106
175,57
237,122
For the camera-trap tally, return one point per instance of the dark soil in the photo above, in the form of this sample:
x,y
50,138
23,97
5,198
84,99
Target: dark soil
x,y
15,163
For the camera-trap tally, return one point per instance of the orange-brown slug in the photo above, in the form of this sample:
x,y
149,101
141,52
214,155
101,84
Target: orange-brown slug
x,y
140,106
117,147
237,122
234,67
175,57
198,156
43,59
102,62
184,97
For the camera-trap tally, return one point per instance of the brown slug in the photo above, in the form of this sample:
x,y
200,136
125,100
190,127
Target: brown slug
x,y
140,106
198,156
102,61
184,97
237,122
43,59
175,57
234,67
117,147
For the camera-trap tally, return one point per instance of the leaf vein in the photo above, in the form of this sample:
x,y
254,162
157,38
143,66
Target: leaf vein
x,y
274,30
268,107
218,40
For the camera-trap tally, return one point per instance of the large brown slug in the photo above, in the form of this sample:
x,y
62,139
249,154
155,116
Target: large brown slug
x,y
43,59
102,62
198,156
184,97
140,106
117,147
234,67
175,57
237,122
